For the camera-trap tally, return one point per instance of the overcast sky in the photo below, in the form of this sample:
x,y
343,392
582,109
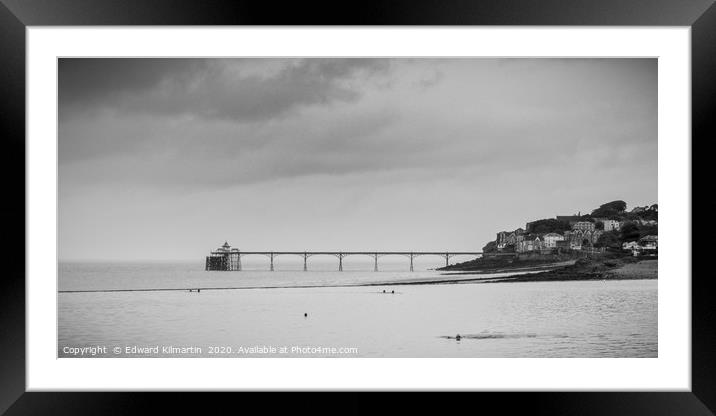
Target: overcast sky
x,y
167,158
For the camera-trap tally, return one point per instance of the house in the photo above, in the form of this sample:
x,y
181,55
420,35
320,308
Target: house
x,y
502,239
550,239
649,242
562,244
509,238
583,225
578,238
631,245
611,225
529,243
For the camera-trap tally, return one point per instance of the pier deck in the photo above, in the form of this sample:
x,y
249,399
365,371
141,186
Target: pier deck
x,y
228,259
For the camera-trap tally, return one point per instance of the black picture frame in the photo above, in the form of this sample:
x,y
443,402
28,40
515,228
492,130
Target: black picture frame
x,y
16,15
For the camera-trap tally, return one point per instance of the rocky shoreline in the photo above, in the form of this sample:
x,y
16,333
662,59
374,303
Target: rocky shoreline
x,y
626,268
599,267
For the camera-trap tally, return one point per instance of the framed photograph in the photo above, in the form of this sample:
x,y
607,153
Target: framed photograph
x,y
459,197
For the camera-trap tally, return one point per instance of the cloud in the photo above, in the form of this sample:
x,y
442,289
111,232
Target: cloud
x,y
223,89
214,124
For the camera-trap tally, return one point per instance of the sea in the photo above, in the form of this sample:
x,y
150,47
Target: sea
x,y
177,309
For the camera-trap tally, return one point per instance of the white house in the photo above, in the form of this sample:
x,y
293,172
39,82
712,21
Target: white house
x,y
550,239
631,245
611,225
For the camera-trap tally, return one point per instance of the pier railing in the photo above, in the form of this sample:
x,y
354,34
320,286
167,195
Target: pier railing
x,y
231,260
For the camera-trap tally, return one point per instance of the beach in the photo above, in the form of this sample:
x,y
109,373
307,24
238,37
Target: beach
x,y
645,269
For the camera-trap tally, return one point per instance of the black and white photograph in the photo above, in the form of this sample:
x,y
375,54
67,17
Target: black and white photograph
x,y
357,207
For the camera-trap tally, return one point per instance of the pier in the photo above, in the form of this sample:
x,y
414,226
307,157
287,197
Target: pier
x,y
226,258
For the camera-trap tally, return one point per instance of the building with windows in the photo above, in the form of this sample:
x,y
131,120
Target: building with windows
x,y
506,239
550,239
578,238
649,242
611,225
631,245
529,243
583,225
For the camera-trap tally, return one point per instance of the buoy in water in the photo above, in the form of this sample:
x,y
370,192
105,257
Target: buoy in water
x,y
305,315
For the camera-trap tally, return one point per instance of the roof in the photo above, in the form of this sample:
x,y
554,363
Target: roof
x,y
553,235
650,238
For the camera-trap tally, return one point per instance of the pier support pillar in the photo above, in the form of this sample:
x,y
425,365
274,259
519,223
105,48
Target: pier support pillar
x,y
411,262
375,269
271,256
447,259
238,261
305,262
340,262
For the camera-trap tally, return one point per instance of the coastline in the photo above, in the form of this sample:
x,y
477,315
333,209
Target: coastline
x,y
592,270
509,269
640,270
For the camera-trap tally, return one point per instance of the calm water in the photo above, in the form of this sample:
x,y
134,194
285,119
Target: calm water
x,y
535,319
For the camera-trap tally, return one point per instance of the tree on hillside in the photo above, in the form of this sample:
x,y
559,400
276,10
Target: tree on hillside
x,y
651,213
645,230
630,232
490,247
609,239
610,209
549,225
